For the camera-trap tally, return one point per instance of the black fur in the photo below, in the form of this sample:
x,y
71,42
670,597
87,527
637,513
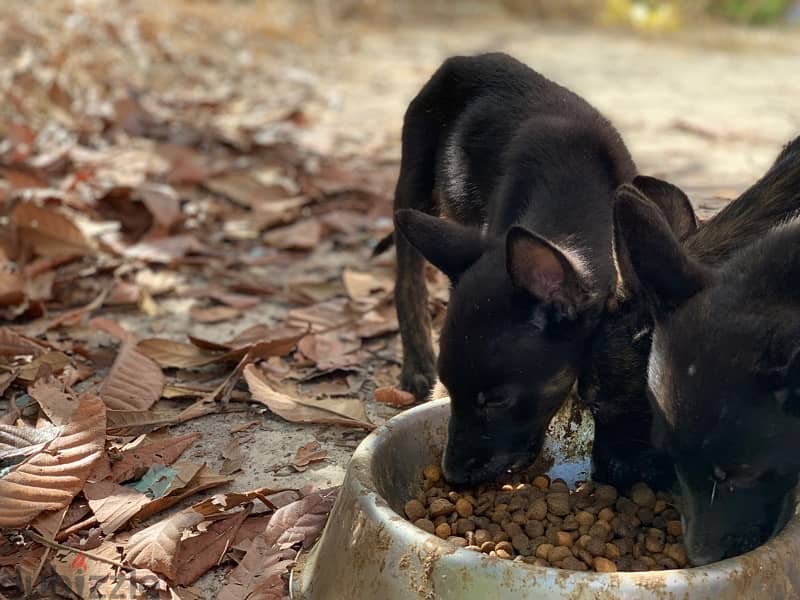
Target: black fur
x,y
724,373
613,382
525,171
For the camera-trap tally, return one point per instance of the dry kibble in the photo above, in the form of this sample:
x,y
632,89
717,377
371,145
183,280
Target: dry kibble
x,y
558,553
603,565
426,525
440,506
525,517
414,510
605,514
443,531
432,473
541,481
642,495
464,508
674,528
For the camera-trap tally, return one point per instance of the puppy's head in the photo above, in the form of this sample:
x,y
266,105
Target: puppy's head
x,y
519,314
723,376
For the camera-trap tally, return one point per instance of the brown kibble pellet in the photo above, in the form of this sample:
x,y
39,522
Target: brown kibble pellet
x,y
487,547
583,554
660,506
543,550
563,539
573,564
440,506
521,543
425,525
502,554
674,528
464,508
534,529
585,518
596,547
537,510
604,565
432,473
460,542
558,553
558,503
505,546
612,551
464,526
443,531
473,548
642,495
605,514
677,553
500,536
605,494
559,485
414,510
482,536
601,530
539,562
541,481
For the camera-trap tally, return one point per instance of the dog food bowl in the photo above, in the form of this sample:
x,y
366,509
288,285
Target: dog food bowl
x,y
369,551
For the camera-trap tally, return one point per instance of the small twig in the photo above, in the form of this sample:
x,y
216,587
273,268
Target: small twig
x,y
45,542
80,525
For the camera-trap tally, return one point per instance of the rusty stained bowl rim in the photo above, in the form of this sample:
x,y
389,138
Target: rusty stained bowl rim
x,y
435,568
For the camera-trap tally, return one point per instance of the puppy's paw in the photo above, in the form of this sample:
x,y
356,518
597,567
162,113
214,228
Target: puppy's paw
x,y
418,382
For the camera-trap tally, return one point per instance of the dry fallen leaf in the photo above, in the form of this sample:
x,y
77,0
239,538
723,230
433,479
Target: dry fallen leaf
x,y
54,401
213,314
232,453
259,576
50,479
83,574
205,479
303,235
113,504
156,547
15,344
48,232
301,521
134,383
164,451
308,453
348,412
394,397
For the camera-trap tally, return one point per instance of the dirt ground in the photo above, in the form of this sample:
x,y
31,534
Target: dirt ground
x,y
706,108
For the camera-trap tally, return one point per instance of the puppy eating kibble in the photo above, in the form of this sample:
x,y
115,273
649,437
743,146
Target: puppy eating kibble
x,y
724,374
524,172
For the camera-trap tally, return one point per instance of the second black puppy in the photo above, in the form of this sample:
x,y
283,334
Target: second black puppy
x,y
527,170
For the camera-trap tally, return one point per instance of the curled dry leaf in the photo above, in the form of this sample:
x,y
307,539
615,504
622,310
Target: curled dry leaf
x,y
113,504
137,422
15,344
12,287
199,553
43,365
213,314
394,397
301,521
259,576
304,235
348,411
232,453
57,404
87,576
49,232
308,453
16,443
156,547
203,480
50,479
164,451
134,382
361,286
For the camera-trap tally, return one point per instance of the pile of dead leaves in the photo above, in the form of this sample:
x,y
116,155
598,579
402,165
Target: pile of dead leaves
x,y
178,241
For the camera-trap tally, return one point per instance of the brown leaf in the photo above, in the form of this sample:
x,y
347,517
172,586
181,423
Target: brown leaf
x,y
113,504
213,314
164,451
332,349
134,382
301,521
308,453
360,286
165,250
49,232
205,479
259,576
50,479
137,422
84,574
324,315
199,553
240,301
44,365
394,397
162,202
244,189
304,235
15,344
12,287
54,401
156,547
175,354
348,412
232,453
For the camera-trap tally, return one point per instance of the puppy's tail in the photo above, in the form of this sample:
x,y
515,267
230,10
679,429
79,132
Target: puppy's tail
x,y
383,245
771,201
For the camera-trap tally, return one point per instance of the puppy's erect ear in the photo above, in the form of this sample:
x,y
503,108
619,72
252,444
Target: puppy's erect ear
x,y
674,204
647,247
448,246
544,271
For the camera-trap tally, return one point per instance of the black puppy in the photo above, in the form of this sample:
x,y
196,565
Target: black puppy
x,y
525,171
724,373
613,383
